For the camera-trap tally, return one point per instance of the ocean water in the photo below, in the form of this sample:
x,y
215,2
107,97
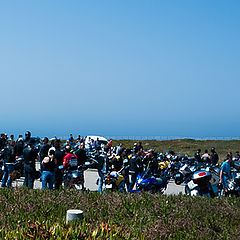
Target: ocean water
x,y
164,138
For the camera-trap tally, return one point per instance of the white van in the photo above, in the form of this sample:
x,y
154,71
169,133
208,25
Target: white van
x,y
102,141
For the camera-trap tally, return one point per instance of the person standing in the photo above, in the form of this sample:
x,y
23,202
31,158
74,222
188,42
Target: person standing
x,y
225,171
134,168
118,150
110,146
81,155
2,141
82,158
11,140
59,154
88,144
102,167
93,144
30,155
49,164
27,139
71,139
9,160
81,140
19,146
43,152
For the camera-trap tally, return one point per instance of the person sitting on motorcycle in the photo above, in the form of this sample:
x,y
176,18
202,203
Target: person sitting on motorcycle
x,y
225,171
69,156
237,156
214,156
152,162
205,157
117,162
197,155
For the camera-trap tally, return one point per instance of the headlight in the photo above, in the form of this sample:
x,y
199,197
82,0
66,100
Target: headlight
x,y
231,186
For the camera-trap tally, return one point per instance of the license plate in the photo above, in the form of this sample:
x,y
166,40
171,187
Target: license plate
x,y
109,186
78,187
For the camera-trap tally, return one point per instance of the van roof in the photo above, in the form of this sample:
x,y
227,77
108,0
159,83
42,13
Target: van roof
x,y
95,138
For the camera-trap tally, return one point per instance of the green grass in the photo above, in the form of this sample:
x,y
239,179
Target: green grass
x,y
28,214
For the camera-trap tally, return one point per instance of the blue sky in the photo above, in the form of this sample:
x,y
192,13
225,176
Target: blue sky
x,y
120,67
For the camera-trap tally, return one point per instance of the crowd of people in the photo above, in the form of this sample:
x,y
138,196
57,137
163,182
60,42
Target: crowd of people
x,y
52,155
49,153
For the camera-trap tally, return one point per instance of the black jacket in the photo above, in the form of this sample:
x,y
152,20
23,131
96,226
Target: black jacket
x,y
134,163
81,155
29,156
214,158
8,155
43,151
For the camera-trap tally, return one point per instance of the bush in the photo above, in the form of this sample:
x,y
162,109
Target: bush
x,y
37,214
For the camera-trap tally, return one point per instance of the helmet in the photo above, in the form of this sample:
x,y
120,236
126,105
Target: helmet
x,y
68,149
114,174
28,134
51,150
125,161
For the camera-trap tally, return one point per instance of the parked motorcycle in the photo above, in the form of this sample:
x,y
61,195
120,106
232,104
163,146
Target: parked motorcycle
x,y
184,174
19,165
231,187
114,181
199,184
74,175
147,182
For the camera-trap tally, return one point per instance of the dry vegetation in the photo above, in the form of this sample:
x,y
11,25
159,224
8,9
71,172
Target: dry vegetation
x,y
187,146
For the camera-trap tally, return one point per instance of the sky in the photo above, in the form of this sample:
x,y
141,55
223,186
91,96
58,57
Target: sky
x,y
145,68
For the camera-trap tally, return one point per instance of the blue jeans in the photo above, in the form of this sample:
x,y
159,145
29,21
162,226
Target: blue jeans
x,y
100,182
48,178
8,169
29,173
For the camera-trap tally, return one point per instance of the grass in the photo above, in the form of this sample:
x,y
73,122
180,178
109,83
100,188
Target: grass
x,y
28,214
187,146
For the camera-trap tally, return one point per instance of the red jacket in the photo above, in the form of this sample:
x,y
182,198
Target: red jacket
x,y
67,158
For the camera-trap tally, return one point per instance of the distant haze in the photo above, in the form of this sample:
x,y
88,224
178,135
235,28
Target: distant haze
x,y
120,68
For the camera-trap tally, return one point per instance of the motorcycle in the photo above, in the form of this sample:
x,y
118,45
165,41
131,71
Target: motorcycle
x,y
114,181
231,187
199,184
74,175
19,165
184,173
173,167
147,182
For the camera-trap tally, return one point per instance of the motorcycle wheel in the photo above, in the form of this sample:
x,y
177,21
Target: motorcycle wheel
x,y
178,181
1,175
67,184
